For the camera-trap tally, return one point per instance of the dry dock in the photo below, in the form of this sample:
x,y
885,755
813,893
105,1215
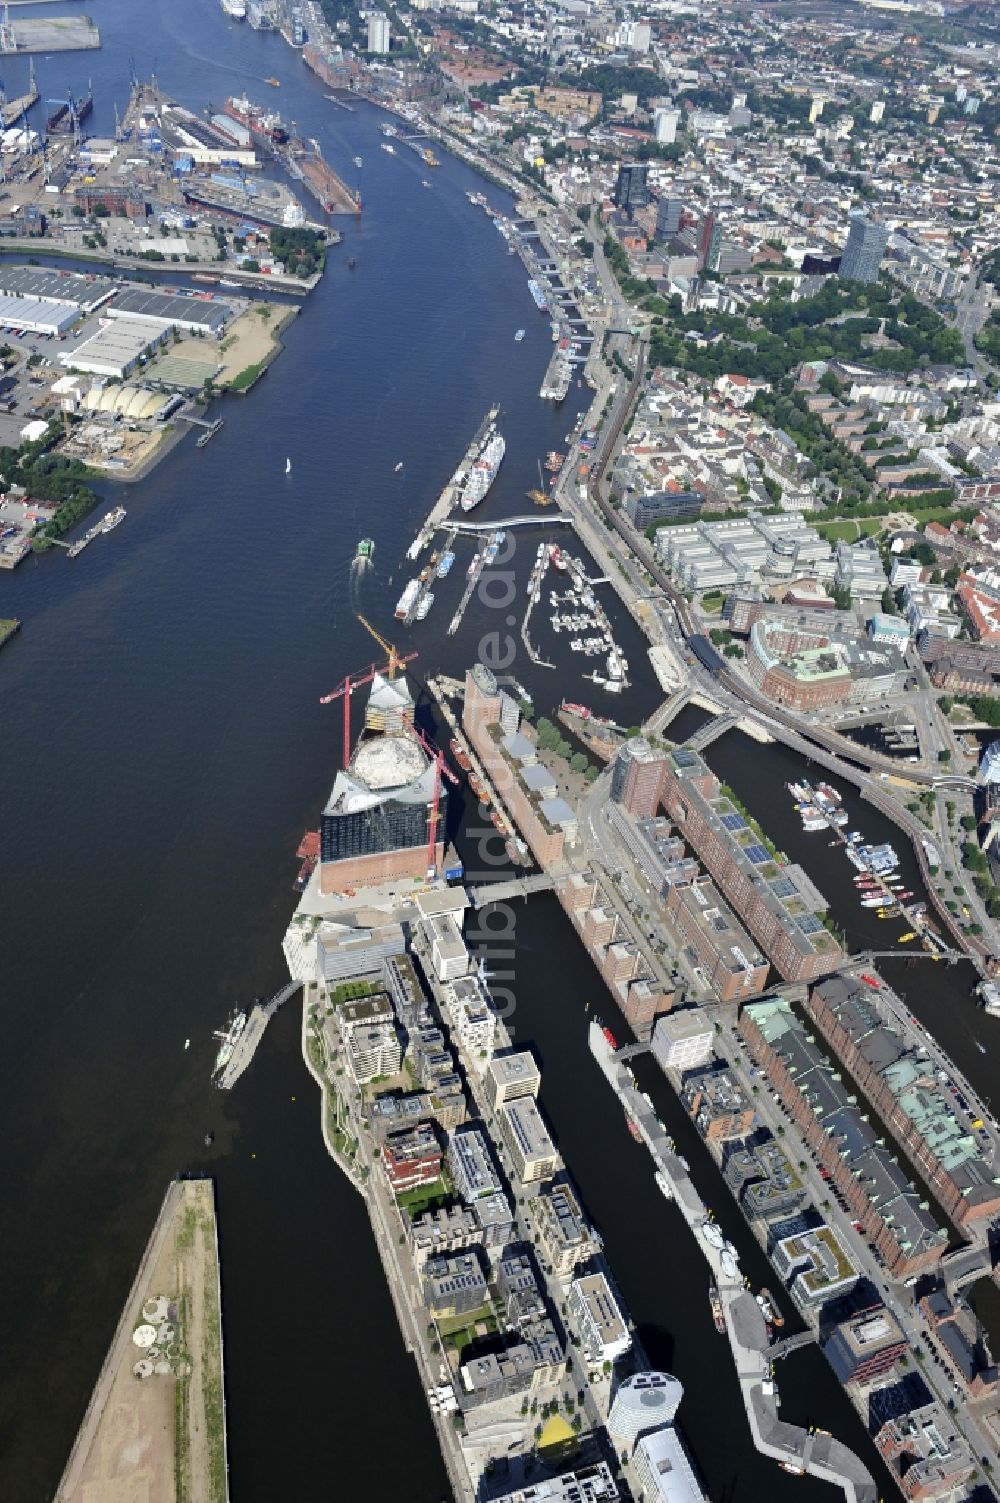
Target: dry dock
x,y
155,1428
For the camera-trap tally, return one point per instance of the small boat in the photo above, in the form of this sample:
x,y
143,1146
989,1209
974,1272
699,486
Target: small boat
x,y
632,1126
187,1043
288,466
979,1046
769,1306
274,82
718,1316
904,939
519,336
365,548
358,162
209,1138
399,467
424,183
796,1471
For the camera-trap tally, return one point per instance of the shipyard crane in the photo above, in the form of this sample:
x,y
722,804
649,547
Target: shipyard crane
x,y
441,768
355,681
395,660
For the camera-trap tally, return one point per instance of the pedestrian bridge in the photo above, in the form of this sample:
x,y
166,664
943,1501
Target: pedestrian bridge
x,y
543,519
518,887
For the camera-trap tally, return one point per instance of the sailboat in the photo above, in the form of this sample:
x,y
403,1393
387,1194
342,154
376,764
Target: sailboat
x,y
399,467
288,466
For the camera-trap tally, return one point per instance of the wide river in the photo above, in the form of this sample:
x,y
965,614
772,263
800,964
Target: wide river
x,y
164,749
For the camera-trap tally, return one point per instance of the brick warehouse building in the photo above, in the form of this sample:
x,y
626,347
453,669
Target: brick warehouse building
x,y
903,1088
776,901
890,1208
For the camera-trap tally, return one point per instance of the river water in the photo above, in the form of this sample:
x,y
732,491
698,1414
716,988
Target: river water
x,y
164,749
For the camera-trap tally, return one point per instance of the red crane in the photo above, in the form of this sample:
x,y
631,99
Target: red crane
x,y
441,768
355,681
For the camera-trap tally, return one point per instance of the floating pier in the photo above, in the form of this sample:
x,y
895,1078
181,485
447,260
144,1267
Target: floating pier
x,y
260,1015
446,500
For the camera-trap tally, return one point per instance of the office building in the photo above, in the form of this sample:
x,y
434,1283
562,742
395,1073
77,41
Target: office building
x,y
375,827
764,1182
378,33
682,1039
664,1473
598,1320
814,1266
661,506
920,1445
801,662
512,1076
719,1105
646,1401
448,951
631,191
637,777
532,1150
865,1346
665,124
866,243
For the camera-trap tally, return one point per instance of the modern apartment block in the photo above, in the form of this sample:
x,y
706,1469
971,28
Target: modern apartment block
x,y
776,901
564,1231
411,1157
593,1307
903,1087
513,1075
890,1208
533,1151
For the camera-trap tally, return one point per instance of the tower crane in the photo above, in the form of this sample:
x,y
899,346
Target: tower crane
x,y
396,661
355,681
441,768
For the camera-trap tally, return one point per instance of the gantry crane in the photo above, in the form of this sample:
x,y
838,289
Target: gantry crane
x,y
441,769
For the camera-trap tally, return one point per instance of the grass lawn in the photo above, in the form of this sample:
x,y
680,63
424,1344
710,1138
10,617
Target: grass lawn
x,y
455,1324
423,1197
850,529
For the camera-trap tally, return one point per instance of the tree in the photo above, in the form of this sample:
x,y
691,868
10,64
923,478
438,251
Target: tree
x,y
578,762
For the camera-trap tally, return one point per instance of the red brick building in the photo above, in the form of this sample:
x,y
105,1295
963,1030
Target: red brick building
x,y
411,1157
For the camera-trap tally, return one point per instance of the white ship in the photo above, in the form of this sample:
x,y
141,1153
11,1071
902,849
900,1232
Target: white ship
x,y
483,473
236,10
111,519
228,1038
407,601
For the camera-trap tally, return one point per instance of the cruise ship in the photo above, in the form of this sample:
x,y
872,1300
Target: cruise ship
x,y
483,472
236,10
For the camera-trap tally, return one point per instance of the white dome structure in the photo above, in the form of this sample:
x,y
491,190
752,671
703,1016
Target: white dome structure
x,y
646,1401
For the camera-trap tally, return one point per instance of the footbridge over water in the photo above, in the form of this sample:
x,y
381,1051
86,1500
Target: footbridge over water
x,y
517,887
537,519
817,1453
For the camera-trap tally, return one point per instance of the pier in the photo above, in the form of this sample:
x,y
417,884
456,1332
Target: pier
x,y
155,1425
246,1047
210,428
816,1453
449,495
